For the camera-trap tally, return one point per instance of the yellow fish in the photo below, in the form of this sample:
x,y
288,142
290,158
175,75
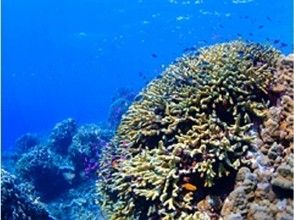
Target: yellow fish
x,y
189,187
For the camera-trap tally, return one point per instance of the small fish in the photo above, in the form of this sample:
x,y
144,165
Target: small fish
x,y
141,74
284,44
202,42
186,178
250,34
221,26
189,187
154,55
244,17
188,49
239,35
260,26
276,41
268,18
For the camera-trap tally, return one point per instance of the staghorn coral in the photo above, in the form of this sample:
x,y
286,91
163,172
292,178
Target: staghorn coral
x,y
18,200
195,125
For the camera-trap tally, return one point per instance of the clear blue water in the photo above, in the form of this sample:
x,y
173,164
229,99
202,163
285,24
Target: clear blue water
x,y
67,58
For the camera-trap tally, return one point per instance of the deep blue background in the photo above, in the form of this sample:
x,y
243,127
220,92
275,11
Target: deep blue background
x,y
66,58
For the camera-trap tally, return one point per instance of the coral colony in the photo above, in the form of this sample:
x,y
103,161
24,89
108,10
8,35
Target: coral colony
x,y
211,137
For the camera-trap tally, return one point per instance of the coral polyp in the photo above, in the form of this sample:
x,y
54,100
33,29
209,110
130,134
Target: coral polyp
x,y
189,129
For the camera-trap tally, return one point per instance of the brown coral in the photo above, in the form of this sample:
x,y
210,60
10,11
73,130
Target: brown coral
x,y
272,197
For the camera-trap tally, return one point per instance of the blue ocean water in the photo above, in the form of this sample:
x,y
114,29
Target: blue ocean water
x,y
68,58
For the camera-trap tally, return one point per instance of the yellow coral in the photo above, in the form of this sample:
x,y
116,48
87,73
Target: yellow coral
x,y
197,121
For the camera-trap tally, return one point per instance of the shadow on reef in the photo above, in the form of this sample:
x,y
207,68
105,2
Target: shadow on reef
x,y
120,104
211,138
59,171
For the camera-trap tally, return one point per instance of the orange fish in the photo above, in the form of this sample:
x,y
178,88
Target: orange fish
x,y
189,187
114,164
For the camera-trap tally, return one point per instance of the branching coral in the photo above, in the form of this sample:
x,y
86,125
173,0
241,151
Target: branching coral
x,y
190,127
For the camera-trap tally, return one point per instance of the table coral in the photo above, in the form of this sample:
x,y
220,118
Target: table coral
x,y
195,124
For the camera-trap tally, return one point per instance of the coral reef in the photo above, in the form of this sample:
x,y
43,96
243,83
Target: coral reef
x,y
61,163
206,121
78,203
47,171
26,142
23,144
62,134
18,201
49,161
86,148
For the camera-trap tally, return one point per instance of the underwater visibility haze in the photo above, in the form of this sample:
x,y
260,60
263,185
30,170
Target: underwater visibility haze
x,y
147,109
